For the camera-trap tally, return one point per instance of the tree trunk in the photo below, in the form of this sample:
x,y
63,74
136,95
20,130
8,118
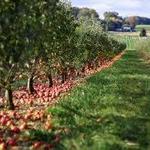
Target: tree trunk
x,y
64,76
95,65
83,69
50,80
78,73
30,87
9,98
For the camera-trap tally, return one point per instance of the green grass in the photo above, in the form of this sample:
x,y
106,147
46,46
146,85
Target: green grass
x,y
140,27
144,46
110,111
131,41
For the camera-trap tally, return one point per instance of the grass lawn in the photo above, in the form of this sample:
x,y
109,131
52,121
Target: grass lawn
x,y
140,27
109,111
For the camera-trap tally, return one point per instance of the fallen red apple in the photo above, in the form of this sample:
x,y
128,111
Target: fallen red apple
x,y
12,142
15,129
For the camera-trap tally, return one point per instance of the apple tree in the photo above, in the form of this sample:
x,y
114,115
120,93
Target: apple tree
x,y
13,26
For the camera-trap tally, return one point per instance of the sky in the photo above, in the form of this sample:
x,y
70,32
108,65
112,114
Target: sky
x,y
123,7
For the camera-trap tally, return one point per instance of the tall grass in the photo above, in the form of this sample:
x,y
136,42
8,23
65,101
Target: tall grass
x,y
131,41
143,46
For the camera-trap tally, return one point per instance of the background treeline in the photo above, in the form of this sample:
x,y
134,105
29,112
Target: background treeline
x,y
43,37
112,20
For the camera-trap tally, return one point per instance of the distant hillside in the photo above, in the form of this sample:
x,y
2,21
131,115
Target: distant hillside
x,y
143,20
138,20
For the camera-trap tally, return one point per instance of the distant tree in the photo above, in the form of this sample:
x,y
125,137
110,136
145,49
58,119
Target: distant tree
x,y
84,13
75,11
88,13
110,15
112,20
132,21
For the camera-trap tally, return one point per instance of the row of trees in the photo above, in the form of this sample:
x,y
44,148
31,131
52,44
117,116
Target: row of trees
x,y
43,36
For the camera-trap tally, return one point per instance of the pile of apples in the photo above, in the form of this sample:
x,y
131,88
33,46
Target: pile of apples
x,y
13,125
29,115
43,95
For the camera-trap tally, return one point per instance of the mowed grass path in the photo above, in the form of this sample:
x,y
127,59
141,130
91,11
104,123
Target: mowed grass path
x,y
110,111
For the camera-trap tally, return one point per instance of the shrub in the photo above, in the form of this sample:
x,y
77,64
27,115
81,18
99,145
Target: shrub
x,y
143,33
